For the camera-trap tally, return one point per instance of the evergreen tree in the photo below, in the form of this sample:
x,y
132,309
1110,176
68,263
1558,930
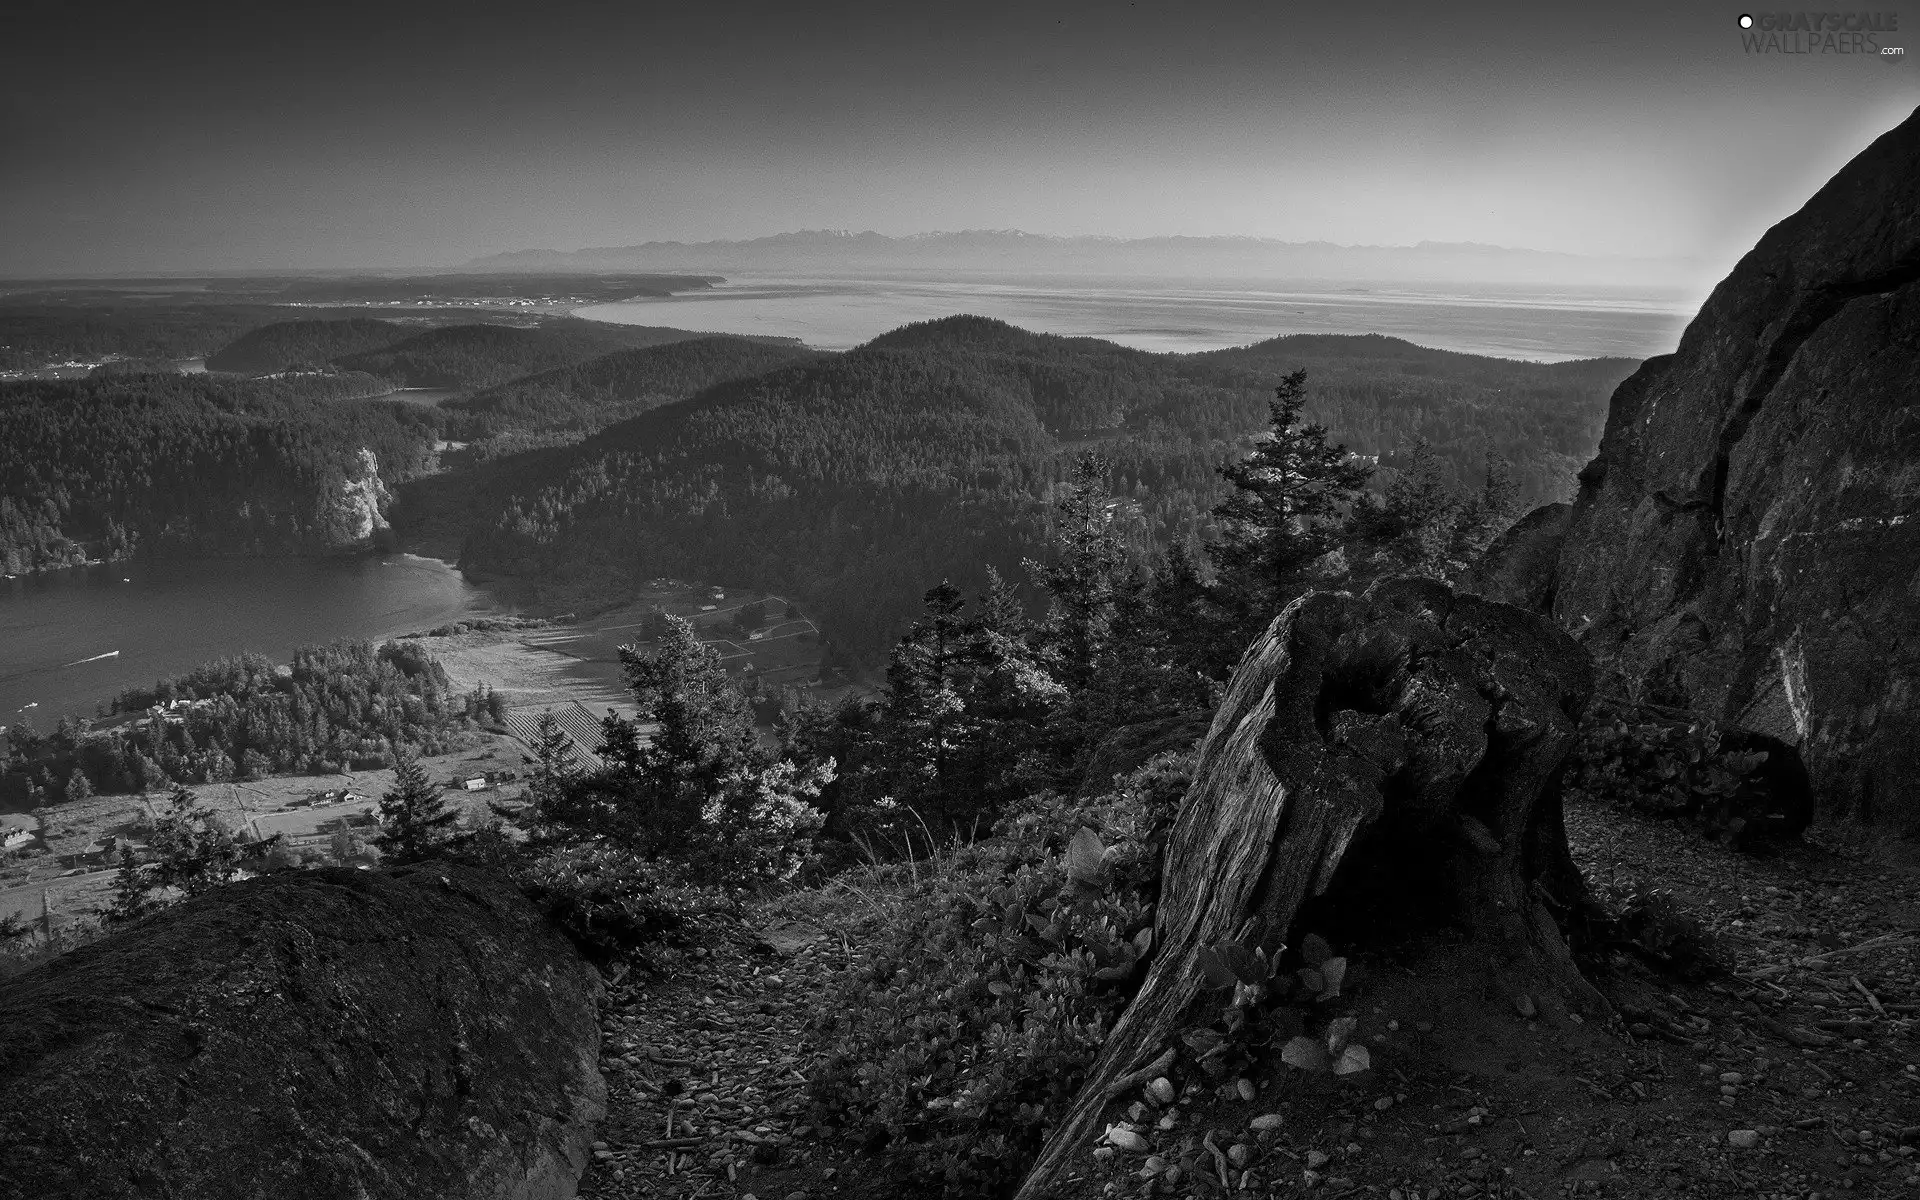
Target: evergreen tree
x,y
132,889
1286,511
655,794
554,780
415,818
923,712
194,851
77,786
1089,561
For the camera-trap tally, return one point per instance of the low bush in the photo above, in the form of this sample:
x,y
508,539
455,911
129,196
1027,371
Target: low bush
x,y
971,1024
1688,767
611,901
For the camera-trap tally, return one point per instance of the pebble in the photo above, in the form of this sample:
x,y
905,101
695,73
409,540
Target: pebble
x,y
1160,1091
1316,1159
1743,1139
1127,1139
1266,1121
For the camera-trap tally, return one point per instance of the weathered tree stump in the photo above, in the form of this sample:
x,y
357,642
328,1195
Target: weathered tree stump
x,y
1409,728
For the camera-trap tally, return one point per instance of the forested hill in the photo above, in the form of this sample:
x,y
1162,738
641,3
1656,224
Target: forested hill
x,y
1379,394
284,345
860,479
32,336
107,467
482,356
619,385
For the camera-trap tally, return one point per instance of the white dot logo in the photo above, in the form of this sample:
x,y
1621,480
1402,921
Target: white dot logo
x,y
1746,22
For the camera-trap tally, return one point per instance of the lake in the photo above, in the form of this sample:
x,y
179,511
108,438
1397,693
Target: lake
x,y
1503,320
59,631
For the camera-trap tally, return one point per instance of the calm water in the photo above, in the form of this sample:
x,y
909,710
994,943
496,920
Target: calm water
x,y
57,631
1508,321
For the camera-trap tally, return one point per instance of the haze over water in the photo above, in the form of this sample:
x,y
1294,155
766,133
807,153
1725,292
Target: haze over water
x,y
1502,320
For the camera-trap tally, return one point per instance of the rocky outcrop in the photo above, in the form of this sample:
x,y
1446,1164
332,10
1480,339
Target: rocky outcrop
x,y
359,513
1400,752
309,1034
1518,568
1747,542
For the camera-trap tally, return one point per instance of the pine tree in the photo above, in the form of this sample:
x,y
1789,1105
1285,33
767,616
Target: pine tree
x,y
415,818
193,850
554,780
657,794
924,714
132,889
1285,513
1089,562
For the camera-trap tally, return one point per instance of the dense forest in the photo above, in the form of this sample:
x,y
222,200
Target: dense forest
x,y
290,345
615,386
104,468
349,705
481,356
933,451
34,336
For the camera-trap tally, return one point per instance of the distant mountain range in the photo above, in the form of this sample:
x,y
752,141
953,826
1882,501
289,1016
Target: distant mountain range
x,y
1011,251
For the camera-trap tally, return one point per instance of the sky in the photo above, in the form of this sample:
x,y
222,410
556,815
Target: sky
x,y
215,137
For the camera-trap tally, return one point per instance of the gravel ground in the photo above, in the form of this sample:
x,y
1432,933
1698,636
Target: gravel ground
x,y
1791,1073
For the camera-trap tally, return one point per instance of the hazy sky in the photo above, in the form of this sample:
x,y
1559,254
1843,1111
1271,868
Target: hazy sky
x,y
207,136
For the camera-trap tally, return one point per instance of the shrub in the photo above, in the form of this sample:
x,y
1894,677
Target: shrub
x,y
1638,758
610,901
972,1023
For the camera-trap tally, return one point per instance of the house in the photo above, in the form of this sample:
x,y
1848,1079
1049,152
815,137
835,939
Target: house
x,y
16,838
474,783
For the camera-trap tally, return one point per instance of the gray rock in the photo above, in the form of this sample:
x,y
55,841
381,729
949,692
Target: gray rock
x,y
1747,542
329,1033
1518,568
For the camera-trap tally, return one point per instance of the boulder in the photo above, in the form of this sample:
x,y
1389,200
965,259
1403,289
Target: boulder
x,y
331,1033
1747,543
1518,568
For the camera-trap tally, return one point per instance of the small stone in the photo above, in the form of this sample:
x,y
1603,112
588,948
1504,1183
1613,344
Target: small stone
x,y
1127,1139
1266,1121
1732,1077
1103,1155
1315,1160
1160,1091
1383,1104
1743,1139
1239,1153
1246,1089
1524,1005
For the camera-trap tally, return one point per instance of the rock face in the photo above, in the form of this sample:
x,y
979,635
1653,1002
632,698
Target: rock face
x,y
1399,750
359,512
330,1033
1518,568
1747,542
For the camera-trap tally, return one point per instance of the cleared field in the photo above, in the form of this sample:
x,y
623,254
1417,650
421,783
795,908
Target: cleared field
x,y
265,807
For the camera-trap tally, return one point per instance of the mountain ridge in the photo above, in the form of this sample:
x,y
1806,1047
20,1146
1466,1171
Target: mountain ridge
x,y
1234,256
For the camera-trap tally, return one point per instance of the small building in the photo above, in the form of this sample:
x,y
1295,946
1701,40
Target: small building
x,y
16,838
474,783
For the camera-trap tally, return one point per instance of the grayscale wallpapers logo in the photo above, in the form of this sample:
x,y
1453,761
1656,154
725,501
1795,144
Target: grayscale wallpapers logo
x,y
1851,33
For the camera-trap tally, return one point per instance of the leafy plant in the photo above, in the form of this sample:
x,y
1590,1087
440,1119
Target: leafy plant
x,y
993,982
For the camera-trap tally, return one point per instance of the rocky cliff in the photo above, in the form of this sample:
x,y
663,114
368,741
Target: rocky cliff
x,y
329,1033
1747,542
